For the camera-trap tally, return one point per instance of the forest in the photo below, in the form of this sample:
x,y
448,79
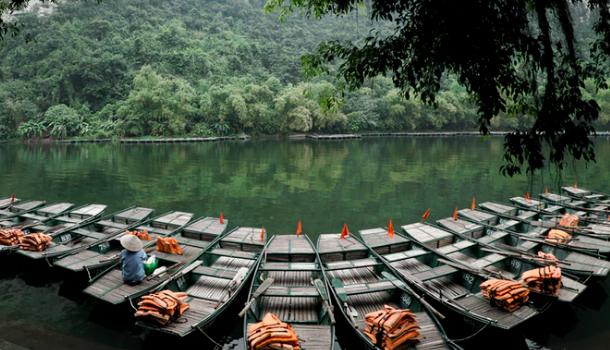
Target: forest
x,y
149,68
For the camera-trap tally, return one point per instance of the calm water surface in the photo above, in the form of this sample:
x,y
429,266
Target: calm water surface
x,y
271,183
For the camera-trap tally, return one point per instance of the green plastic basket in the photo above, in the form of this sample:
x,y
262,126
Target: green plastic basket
x,y
150,268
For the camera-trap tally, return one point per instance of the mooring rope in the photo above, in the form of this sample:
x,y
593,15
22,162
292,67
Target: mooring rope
x,y
472,335
46,258
212,340
131,303
88,274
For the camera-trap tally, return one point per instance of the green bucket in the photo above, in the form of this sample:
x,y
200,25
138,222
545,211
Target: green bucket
x,y
150,268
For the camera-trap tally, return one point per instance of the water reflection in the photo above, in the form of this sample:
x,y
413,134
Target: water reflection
x,y
273,183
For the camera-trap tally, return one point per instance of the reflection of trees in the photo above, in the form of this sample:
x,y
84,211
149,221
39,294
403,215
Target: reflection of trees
x,y
363,182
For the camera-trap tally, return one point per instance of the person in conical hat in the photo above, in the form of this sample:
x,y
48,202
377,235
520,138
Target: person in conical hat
x,y
132,259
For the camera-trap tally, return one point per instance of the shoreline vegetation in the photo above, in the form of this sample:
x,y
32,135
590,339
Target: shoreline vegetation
x,y
244,137
197,69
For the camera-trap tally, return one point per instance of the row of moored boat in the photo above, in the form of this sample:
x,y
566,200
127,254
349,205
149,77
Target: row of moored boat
x,y
495,265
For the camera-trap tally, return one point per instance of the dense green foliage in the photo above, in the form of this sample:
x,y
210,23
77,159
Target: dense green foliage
x,y
200,68
512,56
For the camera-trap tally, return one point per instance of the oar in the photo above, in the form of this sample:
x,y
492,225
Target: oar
x,y
324,295
230,288
523,253
525,257
402,286
260,290
117,256
181,273
343,296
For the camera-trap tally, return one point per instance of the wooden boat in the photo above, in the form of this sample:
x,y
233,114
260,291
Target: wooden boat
x,y
365,284
455,288
501,234
214,280
292,264
90,233
533,224
587,195
194,239
586,211
17,209
553,206
58,224
38,216
491,261
107,252
8,201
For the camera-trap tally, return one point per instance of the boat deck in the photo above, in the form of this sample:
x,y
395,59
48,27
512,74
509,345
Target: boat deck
x,y
435,281
464,227
364,301
93,259
479,216
379,240
54,209
5,202
133,215
246,239
313,336
333,248
205,229
172,221
290,248
111,288
429,235
21,207
85,212
499,208
527,203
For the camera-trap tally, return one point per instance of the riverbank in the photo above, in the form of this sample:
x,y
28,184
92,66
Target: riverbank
x,y
245,137
296,136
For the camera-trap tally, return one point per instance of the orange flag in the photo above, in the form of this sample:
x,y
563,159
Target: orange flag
x,y
575,185
263,234
13,198
299,228
344,232
527,195
455,214
222,219
473,205
390,229
426,214
546,191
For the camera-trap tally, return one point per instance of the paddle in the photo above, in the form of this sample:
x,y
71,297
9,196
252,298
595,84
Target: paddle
x,y
343,296
230,288
525,256
181,273
260,290
402,286
118,256
322,291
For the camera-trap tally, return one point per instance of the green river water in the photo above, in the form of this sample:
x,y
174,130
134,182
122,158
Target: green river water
x,y
271,183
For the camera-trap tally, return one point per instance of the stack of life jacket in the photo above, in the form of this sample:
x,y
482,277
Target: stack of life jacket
x,y
509,295
558,236
35,241
143,235
545,280
162,307
168,245
548,256
10,236
271,334
391,328
568,220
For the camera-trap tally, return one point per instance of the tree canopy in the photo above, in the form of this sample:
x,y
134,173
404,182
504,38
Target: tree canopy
x,y
512,56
